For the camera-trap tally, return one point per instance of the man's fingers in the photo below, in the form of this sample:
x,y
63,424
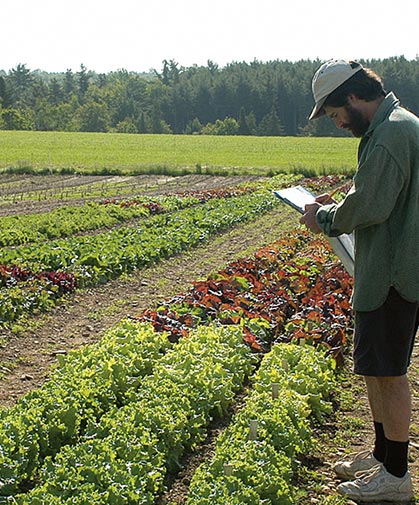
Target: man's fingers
x,y
325,198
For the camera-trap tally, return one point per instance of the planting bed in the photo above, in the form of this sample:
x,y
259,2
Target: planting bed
x,y
214,282
22,194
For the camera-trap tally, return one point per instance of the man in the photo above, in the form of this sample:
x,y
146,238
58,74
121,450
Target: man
x,y
382,209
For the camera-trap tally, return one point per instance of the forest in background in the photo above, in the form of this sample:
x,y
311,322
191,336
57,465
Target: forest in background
x,y
258,98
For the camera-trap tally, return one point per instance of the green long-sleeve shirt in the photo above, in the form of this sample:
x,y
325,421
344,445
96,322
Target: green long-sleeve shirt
x,y
382,208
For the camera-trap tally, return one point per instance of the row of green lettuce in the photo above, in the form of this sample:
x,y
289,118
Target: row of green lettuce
x,y
98,257
88,384
256,457
117,451
69,220
124,457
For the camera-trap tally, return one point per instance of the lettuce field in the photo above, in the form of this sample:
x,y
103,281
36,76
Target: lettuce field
x,y
245,354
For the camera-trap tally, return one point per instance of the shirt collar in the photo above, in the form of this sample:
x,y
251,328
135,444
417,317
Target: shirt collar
x,y
383,111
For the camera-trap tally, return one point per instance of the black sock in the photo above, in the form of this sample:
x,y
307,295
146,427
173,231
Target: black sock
x,y
380,446
396,457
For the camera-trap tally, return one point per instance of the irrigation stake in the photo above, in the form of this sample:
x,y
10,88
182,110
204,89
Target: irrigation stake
x,y
275,390
285,365
253,433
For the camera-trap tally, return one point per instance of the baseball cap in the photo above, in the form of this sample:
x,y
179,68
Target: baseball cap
x,y
329,77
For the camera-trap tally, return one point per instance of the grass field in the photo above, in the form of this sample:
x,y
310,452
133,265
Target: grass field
x,y
94,153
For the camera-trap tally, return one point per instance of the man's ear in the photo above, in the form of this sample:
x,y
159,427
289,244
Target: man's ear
x,y
352,99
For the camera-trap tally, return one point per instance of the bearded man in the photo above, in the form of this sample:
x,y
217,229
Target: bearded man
x,y
382,209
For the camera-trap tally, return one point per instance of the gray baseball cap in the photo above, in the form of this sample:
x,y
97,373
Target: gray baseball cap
x,y
329,77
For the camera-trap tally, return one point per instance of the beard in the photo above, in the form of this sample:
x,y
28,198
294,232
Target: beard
x,y
357,123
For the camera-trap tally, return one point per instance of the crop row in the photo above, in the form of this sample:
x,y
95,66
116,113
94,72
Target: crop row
x,y
98,258
70,220
122,456
67,187
125,457
284,292
256,456
86,385
21,291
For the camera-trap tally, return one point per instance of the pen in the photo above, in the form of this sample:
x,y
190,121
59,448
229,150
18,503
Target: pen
x,y
333,193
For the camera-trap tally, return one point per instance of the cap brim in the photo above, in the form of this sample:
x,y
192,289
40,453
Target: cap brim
x,y
318,110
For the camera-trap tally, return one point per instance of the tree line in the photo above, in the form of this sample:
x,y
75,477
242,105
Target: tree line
x,y
256,98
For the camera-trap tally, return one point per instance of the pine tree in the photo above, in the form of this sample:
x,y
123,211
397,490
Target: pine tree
x,y
270,126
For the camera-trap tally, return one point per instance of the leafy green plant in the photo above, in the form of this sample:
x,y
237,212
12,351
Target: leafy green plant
x,y
88,383
260,464
124,456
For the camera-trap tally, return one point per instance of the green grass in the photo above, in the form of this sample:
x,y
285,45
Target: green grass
x,y
95,153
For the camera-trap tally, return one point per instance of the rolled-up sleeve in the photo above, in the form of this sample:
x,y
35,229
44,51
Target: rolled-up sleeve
x,y
325,217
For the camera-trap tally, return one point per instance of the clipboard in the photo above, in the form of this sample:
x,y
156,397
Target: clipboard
x,y
343,245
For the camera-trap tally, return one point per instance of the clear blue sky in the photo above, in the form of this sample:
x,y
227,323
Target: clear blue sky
x,y
138,35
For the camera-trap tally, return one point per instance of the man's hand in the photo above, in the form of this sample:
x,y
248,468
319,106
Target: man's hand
x,y
309,217
325,198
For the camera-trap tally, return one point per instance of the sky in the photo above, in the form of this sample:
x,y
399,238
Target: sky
x,y
137,35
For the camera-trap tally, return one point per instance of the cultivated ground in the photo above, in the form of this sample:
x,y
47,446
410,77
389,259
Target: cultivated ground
x,y
23,194
28,353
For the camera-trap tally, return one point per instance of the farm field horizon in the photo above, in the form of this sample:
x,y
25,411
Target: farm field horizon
x,y
175,329
95,153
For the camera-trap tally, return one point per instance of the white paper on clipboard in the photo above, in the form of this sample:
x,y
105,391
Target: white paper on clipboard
x,y
343,245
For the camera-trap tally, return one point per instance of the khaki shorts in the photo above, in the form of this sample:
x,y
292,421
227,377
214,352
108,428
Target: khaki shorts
x,y
384,338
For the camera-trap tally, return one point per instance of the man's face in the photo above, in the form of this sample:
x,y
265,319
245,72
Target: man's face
x,y
349,118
